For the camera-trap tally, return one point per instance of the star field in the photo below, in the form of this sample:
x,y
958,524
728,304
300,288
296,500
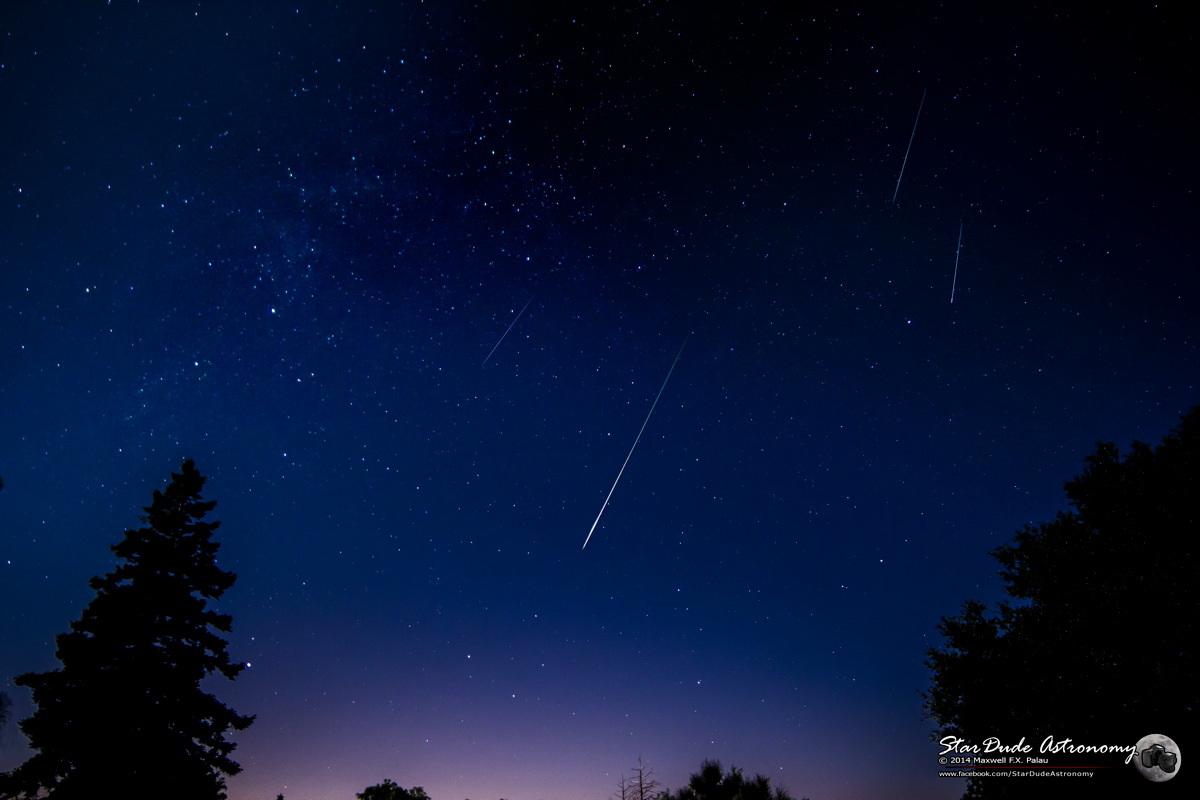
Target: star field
x,y
281,240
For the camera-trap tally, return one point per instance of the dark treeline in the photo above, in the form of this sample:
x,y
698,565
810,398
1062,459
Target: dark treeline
x,y
1098,642
711,782
124,713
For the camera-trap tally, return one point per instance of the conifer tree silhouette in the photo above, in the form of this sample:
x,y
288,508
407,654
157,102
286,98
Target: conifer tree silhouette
x,y
124,715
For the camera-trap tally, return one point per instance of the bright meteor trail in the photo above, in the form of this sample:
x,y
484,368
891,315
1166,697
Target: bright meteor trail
x,y
506,330
957,252
635,444
910,141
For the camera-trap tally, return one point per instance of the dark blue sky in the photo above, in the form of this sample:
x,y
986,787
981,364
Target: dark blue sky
x,y
282,239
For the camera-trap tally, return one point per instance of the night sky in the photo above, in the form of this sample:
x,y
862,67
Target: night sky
x,y
282,240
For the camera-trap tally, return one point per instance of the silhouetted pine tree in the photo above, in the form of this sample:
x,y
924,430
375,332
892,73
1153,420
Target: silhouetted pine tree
x,y
124,716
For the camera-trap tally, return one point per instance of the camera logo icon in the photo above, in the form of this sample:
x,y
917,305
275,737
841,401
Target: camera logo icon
x,y
1161,757
1157,758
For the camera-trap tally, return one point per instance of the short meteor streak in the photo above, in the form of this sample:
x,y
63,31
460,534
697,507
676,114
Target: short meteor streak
x,y
954,281
635,444
910,141
506,330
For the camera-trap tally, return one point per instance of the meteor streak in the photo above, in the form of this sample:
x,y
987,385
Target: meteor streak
x,y
506,330
635,444
910,141
956,254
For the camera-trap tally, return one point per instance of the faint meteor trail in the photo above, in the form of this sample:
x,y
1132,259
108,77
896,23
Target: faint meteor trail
x,y
635,444
957,251
506,330
910,141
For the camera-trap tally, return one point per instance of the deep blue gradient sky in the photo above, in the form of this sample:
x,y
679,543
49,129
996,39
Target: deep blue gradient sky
x,y
282,239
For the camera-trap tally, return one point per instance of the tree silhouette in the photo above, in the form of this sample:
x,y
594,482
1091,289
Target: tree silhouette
x,y
713,783
388,790
124,715
622,792
1099,641
640,785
